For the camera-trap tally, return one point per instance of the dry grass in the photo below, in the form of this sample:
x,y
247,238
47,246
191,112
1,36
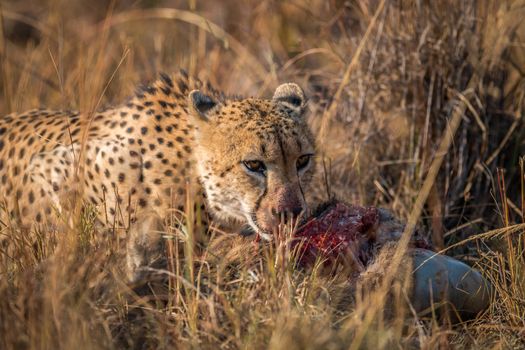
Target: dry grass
x,y
388,81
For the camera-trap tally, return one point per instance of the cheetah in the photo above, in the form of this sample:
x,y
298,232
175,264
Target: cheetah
x,y
253,160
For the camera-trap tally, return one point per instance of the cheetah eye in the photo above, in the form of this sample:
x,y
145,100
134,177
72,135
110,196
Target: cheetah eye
x,y
303,161
255,166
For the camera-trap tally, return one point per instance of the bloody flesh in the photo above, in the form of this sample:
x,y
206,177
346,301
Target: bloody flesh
x,y
337,231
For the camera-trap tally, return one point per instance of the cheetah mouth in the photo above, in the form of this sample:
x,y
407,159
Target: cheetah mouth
x,y
251,228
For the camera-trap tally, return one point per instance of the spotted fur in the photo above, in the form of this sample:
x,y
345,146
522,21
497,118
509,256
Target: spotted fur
x,y
135,162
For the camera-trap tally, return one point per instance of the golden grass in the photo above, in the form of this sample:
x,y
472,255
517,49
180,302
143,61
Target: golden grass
x,y
408,99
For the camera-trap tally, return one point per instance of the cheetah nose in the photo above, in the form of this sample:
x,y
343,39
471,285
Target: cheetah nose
x,y
287,213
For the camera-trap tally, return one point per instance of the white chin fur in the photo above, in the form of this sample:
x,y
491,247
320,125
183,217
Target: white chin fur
x,y
265,236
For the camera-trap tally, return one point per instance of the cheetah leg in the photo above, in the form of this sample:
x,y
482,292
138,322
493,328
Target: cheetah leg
x,y
144,246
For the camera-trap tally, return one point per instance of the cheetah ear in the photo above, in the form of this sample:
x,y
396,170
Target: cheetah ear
x,y
200,104
292,96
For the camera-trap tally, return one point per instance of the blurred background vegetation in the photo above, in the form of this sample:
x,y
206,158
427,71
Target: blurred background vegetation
x,y
383,78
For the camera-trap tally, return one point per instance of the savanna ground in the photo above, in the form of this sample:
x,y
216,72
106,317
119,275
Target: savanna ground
x,y
417,105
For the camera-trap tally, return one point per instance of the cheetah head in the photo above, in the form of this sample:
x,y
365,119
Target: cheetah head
x,y
255,157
